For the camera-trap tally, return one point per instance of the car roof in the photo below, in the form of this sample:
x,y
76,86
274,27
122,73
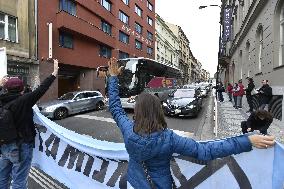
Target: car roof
x,y
78,92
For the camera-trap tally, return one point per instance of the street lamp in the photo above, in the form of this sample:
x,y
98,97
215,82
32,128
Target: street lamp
x,y
219,53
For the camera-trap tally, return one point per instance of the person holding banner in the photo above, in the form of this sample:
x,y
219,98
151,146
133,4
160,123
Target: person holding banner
x,y
150,144
17,137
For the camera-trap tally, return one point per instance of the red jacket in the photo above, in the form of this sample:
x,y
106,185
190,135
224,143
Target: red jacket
x,y
230,89
241,92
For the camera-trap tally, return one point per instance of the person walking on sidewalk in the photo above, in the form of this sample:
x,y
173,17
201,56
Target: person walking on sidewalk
x,y
230,91
16,150
235,94
249,90
240,94
150,144
220,91
265,95
259,120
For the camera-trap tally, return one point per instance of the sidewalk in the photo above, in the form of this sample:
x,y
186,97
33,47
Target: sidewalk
x,y
229,120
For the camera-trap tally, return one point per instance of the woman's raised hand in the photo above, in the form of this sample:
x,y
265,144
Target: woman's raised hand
x,y
262,141
113,68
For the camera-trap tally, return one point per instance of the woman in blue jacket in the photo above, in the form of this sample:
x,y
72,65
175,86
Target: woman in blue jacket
x,y
150,144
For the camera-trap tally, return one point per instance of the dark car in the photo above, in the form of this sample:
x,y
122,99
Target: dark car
x,y
183,102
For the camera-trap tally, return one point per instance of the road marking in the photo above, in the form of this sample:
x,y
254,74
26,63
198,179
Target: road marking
x,y
36,172
110,120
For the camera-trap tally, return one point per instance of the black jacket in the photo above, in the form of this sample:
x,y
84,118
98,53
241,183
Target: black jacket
x,y
257,124
265,94
249,88
21,108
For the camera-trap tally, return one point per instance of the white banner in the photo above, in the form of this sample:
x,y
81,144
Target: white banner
x,y
82,162
3,62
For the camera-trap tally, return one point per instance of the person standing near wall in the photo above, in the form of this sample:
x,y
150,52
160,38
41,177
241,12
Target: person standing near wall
x,y
249,89
265,95
240,94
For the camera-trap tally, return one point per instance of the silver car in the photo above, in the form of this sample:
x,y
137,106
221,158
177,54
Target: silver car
x,y
72,103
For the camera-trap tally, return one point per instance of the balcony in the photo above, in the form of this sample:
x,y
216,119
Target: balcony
x,y
81,27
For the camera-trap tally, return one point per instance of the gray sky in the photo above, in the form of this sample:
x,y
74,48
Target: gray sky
x,y
200,26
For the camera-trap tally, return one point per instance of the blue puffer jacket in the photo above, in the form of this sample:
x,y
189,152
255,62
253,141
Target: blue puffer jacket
x,y
156,150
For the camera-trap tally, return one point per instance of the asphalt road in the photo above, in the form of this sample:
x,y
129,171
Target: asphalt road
x,y
100,125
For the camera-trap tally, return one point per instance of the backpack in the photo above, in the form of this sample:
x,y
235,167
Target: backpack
x,y
8,130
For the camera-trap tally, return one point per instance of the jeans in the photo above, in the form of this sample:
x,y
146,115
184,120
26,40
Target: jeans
x,y
249,99
239,101
230,96
15,164
235,101
221,98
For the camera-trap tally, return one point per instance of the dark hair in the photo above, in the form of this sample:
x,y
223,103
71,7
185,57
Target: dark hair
x,y
264,114
148,114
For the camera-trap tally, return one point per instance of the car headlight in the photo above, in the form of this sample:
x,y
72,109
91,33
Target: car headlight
x,y
190,106
50,108
165,104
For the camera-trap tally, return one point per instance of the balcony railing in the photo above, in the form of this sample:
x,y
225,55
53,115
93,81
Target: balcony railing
x,y
82,27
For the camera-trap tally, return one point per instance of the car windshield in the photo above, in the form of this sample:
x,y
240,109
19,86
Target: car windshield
x,y
67,96
184,93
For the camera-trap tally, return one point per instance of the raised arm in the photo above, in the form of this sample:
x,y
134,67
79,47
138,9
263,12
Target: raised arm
x,y
115,107
219,148
31,98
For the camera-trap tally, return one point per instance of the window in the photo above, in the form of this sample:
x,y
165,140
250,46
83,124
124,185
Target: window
x,y
68,6
150,6
106,27
8,28
105,51
123,17
106,4
138,11
149,35
138,44
149,50
123,55
259,38
126,2
138,28
123,37
150,21
65,40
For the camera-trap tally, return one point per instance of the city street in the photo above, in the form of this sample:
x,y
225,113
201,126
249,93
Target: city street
x,y
100,125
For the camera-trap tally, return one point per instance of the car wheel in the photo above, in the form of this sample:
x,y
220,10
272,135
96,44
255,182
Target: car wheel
x,y
60,113
99,106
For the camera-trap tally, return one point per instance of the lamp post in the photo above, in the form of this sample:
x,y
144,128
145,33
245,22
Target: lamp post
x,y
219,53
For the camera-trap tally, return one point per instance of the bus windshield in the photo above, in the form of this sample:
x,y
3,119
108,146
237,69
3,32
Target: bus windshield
x,y
140,74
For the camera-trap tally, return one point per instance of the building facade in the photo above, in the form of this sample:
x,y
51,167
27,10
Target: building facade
x,y
18,35
256,47
167,44
184,62
86,33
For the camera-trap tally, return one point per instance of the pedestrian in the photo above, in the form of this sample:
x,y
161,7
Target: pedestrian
x,y
230,91
240,94
265,95
249,90
220,91
150,144
235,94
17,141
259,120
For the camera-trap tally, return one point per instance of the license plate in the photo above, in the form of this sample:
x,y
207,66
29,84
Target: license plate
x,y
177,111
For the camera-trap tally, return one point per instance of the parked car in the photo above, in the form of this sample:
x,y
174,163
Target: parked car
x,y
72,103
183,102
